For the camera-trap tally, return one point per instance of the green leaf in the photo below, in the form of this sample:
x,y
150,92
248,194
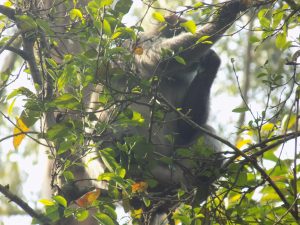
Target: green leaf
x,y
107,156
123,6
51,62
82,214
121,172
254,39
66,101
265,23
180,60
106,27
104,219
110,211
240,110
106,176
26,23
68,175
146,201
204,40
242,178
198,5
52,212
103,3
269,155
60,200
277,17
189,26
20,91
185,220
159,17
57,131
44,25
280,41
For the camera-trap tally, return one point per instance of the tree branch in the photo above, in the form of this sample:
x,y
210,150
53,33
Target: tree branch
x,y
17,51
28,44
22,204
292,4
8,12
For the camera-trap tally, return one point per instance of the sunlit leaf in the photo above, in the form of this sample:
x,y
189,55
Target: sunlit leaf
x,y
75,13
198,5
235,198
288,122
88,198
136,116
189,26
82,215
242,142
8,3
159,17
47,202
281,41
106,27
270,197
277,17
106,176
20,127
103,3
137,213
116,35
11,107
203,39
61,200
268,127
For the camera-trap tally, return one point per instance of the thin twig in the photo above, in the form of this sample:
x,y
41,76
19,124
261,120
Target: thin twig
x,y
11,40
23,205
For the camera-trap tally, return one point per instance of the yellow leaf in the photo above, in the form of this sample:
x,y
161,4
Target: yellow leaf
x,y
189,26
137,214
235,198
8,4
242,142
75,13
47,202
88,198
19,132
268,127
11,107
159,17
